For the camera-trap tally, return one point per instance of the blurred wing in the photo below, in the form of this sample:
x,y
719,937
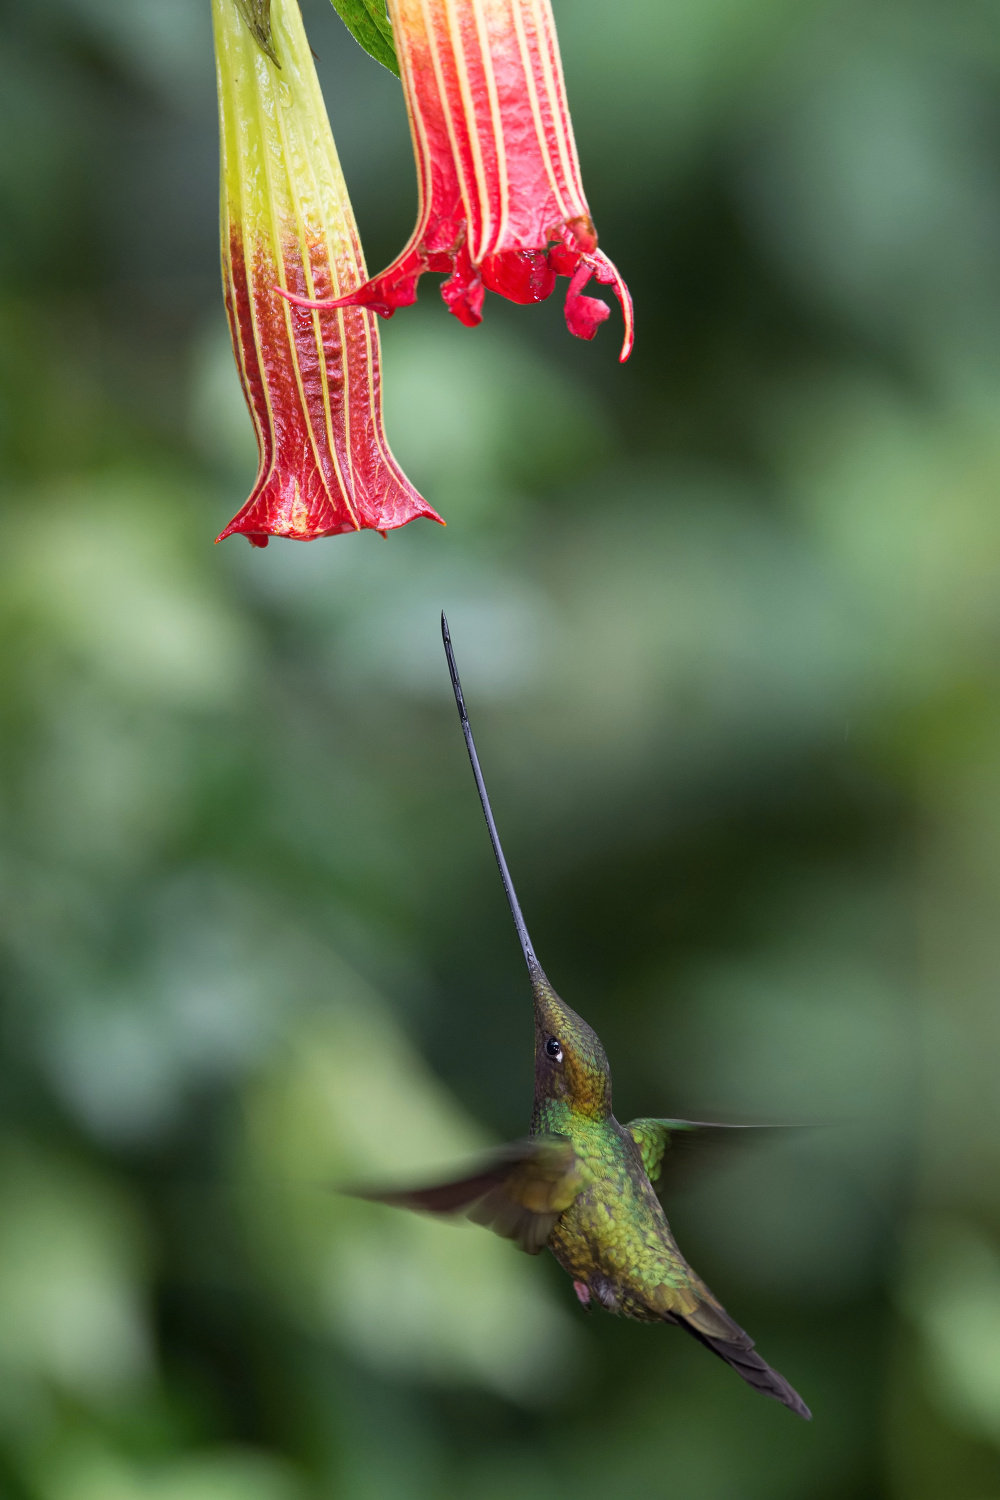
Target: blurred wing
x,y
519,1192
670,1148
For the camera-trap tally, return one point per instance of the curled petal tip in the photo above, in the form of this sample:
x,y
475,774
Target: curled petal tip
x,y
584,315
625,300
317,304
608,273
382,294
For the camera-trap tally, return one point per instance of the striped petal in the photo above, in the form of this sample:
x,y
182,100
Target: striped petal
x,y
501,201
311,378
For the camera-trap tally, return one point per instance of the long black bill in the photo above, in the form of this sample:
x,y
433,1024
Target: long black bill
x,y
534,967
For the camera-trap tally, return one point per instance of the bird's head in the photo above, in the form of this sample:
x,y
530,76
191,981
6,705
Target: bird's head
x,y
570,1063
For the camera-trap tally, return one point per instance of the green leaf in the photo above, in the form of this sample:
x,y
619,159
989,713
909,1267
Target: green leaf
x,y
257,15
368,23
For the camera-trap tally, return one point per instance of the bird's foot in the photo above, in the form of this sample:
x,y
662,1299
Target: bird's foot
x,y
605,1294
582,1290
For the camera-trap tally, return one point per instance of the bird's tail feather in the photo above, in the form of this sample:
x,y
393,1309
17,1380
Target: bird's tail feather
x,y
745,1360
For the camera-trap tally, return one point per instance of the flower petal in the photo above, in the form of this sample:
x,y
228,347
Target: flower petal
x,y
500,192
311,379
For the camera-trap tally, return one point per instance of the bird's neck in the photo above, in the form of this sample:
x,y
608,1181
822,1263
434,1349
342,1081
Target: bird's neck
x,y
561,1118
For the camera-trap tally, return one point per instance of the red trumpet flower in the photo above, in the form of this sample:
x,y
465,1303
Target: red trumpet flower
x,y
501,201
312,384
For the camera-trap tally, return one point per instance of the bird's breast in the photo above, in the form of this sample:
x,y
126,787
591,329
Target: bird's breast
x,y
615,1240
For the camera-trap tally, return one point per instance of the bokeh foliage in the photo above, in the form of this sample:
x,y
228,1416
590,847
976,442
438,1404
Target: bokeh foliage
x,y
729,622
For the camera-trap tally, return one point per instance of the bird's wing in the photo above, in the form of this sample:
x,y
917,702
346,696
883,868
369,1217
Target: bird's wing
x,y
668,1147
519,1192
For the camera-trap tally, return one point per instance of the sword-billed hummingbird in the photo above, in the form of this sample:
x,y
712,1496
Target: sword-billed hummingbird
x,y
582,1184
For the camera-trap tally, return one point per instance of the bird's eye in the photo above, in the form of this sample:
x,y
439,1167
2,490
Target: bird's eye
x,y
553,1049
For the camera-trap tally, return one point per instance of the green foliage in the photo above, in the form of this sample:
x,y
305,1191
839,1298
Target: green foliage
x,y
369,24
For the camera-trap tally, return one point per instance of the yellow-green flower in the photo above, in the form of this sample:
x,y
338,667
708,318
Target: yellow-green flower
x,y
311,378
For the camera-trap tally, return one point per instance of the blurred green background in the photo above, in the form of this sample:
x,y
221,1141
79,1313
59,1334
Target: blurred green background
x,y
729,623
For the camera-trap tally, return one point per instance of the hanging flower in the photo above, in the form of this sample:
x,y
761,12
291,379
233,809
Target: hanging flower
x,y
501,201
311,379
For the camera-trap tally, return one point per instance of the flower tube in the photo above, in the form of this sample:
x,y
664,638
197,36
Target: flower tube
x,y
501,201
311,379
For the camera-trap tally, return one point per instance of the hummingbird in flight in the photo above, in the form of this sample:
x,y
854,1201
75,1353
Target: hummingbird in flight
x,y
582,1184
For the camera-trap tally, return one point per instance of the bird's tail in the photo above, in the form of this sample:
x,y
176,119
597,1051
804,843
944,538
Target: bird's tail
x,y
725,1338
